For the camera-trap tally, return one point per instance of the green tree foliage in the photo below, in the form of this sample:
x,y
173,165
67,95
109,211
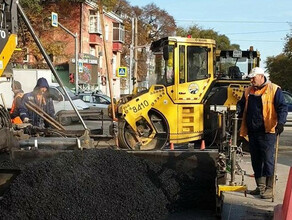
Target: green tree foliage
x,y
280,66
288,46
222,41
31,6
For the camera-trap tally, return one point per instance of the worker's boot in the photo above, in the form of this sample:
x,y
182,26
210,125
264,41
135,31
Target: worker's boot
x,y
261,186
268,194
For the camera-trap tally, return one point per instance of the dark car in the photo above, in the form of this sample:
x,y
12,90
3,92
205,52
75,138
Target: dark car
x,y
288,99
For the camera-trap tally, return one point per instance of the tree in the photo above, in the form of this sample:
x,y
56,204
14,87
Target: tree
x,y
38,12
153,23
222,41
157,22
280,66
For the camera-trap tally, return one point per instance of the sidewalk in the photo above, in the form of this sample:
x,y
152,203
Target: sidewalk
x,y
237,206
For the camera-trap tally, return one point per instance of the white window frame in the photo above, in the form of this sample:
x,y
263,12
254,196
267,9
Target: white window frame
x,y
106,32
26,56
94,24
121,30
92,50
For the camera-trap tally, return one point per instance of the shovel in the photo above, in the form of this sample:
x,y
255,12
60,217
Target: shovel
x,y
275,167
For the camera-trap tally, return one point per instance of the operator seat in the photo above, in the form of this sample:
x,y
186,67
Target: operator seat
x,y
234,72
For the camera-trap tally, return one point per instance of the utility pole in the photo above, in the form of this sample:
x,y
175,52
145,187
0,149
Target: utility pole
x,y
109,77
131,58
136,56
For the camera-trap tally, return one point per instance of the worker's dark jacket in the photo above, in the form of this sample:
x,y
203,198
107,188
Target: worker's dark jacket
x,y
254,112
46,105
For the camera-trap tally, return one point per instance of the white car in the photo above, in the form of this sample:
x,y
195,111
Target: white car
x,y
97,100
61,101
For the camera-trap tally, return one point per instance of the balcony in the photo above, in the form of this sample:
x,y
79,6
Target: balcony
x,y
117,47
95,38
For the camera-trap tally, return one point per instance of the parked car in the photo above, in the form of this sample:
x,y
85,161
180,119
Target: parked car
x,y
63,107
288,99
95,99
61,101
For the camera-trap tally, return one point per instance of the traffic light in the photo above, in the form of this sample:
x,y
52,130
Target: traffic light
x,y
103,80
134,80
71,78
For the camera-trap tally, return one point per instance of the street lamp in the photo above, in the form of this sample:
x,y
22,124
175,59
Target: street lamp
x,y
56,23
76,55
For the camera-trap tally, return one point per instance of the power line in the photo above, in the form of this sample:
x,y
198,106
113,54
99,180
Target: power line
x,y
259,32
271,41
213,21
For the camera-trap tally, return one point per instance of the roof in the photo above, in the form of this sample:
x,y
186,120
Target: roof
x,y
179,39
111,15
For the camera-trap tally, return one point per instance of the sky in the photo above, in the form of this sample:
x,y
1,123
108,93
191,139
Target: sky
x,y
262,24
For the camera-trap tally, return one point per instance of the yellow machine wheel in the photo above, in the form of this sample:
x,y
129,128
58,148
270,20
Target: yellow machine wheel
x,y
145,138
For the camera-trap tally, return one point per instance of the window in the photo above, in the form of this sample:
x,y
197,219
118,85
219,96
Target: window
x,y
106,32
197,63
25,55
94,22
55,94
164,69
92,50
101,100
86,98
70,93
288,98
118,32
170,67
182,64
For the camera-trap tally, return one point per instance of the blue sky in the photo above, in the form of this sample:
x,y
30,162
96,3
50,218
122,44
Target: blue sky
x,y
263,24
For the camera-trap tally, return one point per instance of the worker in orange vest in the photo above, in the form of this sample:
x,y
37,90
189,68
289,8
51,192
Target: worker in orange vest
x,y
18,93
264,112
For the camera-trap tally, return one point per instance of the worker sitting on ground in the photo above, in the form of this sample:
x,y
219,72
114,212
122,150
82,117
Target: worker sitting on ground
x,y
18,94
40,97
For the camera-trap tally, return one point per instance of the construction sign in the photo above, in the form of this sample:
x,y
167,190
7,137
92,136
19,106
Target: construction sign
x,y
122,71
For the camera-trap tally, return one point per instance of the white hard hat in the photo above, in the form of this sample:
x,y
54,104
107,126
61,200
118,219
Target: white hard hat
x,y
256,71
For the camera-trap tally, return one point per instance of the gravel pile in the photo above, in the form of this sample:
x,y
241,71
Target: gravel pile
x,y
92,184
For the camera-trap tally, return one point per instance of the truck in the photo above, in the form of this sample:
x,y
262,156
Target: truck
x,y
23,76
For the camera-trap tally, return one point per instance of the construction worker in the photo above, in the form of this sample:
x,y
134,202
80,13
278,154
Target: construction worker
x,y
264,112
18,94
40,97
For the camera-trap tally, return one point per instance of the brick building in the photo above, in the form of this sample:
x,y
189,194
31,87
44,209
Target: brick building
x,y
84,20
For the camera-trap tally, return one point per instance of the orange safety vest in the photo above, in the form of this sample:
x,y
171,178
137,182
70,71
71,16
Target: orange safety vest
x,y
16,120
269,113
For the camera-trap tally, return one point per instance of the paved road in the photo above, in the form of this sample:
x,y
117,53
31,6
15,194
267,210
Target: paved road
x,y
236,205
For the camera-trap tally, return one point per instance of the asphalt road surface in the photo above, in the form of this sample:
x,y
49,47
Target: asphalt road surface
x,y
236,205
